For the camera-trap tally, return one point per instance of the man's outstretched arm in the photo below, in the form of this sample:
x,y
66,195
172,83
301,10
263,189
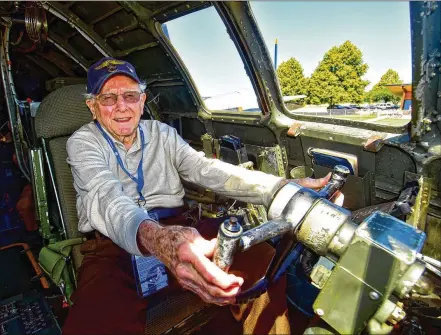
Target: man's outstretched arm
x,y
226,179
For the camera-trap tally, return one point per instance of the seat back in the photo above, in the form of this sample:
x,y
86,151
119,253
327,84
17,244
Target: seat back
x,y
59,115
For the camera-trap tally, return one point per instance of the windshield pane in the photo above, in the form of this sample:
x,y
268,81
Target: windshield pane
x,y
345,60
204,45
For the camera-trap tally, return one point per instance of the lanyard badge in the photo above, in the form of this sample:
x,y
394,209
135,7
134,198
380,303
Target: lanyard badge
x,y
139,180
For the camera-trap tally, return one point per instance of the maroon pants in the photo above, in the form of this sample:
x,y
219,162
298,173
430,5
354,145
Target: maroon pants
x,y
106,300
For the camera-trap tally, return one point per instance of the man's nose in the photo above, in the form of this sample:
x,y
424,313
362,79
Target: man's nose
x,y
120,102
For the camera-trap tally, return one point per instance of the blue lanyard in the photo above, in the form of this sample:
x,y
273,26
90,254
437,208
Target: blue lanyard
x,y
140,180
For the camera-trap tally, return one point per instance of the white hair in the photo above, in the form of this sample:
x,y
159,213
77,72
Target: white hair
x,y
142,87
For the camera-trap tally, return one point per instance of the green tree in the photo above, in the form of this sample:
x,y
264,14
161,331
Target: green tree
x,y
291,78
337,78
380,92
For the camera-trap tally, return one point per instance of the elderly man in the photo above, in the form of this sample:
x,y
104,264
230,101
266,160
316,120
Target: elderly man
x,y
124,168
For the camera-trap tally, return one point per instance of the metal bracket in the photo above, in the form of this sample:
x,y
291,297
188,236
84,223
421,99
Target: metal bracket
x,y
63,230
67,49
12,102
63,13
273,160
418,215
39,190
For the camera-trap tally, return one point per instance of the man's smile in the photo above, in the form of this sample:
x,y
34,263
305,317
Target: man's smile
x,y
122,119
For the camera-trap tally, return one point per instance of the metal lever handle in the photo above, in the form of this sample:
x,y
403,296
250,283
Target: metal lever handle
x,y
338,179
228,240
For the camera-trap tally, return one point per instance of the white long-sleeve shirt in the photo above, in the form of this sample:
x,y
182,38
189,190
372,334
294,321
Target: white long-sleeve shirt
x,y
107,197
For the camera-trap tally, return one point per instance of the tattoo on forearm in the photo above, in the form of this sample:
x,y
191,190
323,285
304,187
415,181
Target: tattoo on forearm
x,y
164,242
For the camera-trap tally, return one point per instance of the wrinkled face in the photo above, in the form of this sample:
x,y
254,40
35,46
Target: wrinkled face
x,y
122,118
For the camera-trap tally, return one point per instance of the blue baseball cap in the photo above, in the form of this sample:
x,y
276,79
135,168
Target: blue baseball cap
x,y
105,68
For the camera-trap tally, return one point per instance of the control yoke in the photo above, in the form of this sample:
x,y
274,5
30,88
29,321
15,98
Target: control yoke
x,y
376,262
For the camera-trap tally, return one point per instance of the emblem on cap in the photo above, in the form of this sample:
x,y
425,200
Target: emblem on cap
x,y
110,64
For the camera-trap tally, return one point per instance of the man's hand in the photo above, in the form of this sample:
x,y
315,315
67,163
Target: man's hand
x,y
186,254
317,184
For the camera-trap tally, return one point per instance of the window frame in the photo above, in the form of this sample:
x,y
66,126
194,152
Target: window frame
x,y
244,117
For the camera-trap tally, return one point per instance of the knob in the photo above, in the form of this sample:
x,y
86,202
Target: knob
x,y
232,225
338,179
340,172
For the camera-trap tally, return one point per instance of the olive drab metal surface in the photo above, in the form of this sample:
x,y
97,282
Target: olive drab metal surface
x,y
371,261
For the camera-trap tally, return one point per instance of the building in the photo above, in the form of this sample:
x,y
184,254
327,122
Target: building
x,y
404,91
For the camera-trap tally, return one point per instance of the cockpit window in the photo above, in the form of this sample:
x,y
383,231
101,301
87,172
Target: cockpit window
x,y
213,61
341,60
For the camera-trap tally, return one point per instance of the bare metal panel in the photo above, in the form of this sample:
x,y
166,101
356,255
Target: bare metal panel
x,y
89,12
116,21
248,134
86,48
295,151
61,28
131,39
173,99
158,66
391,163
192,129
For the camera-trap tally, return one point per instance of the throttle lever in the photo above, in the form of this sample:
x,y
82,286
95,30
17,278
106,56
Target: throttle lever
x,y
338,179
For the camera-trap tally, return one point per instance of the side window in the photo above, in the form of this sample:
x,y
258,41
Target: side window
x,y
213,61
349,61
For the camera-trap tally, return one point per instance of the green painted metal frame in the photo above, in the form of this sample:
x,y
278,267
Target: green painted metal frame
x,y
40,195
51,233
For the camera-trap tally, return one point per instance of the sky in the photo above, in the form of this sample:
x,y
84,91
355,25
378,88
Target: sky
x,y
305,30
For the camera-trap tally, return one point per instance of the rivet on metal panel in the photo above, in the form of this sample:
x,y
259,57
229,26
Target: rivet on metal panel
x,y
374,295
320,312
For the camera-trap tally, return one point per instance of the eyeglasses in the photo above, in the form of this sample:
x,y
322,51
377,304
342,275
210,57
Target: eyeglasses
x,y
110,99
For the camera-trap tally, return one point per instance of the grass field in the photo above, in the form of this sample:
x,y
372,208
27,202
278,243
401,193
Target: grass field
x,y
355,117
393,122
396,122
373,118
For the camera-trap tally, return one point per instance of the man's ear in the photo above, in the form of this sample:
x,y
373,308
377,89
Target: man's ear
x,y
90,103
142,101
